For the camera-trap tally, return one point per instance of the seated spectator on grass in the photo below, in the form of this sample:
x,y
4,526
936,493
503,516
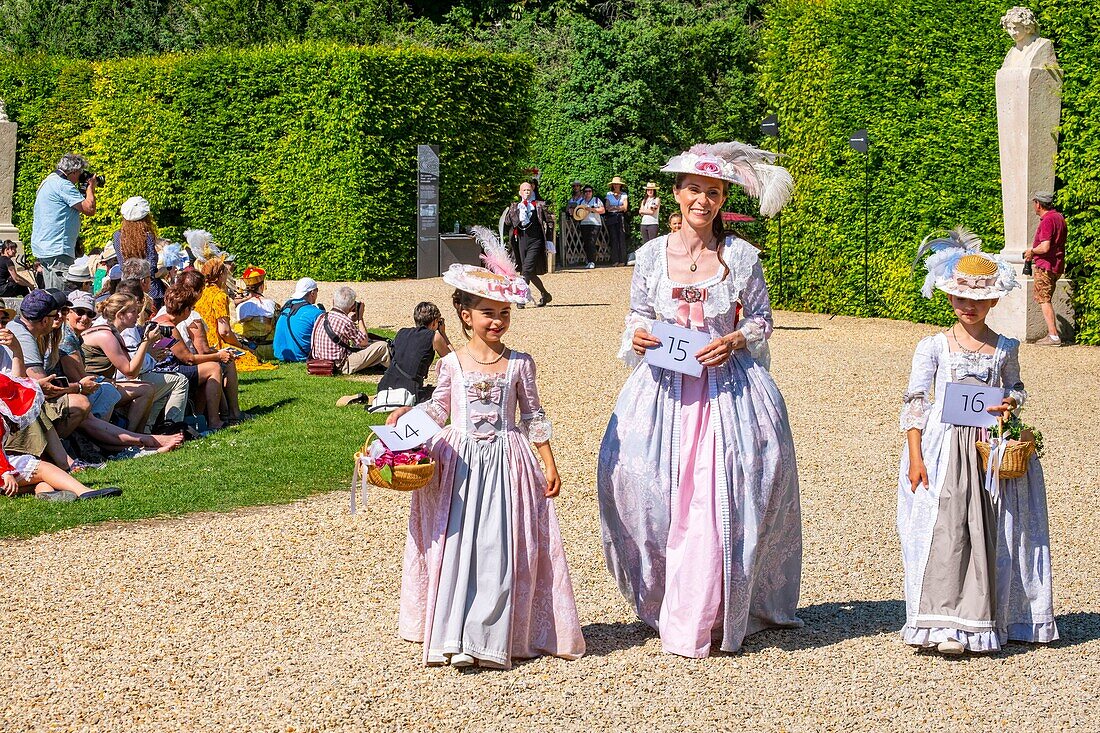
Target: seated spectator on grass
x,y
21,402
213,306
12,282
212,373
106,354
31,353
341,336
255,314
77,277
295,320
140,271
414,350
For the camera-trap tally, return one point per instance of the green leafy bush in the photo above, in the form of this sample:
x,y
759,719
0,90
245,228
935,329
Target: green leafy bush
x,y
302,159
919,76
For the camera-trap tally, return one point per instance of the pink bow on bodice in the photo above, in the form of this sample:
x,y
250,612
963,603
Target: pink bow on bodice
x,y
689,312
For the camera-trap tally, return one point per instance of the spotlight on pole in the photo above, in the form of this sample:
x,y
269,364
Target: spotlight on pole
x,y
770,127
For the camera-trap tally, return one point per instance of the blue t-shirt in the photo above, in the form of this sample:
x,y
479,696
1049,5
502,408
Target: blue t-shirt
x,y
293,332
56,223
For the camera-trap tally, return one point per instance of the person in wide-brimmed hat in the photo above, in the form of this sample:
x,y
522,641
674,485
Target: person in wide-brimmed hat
x,y
975,544
617,204
650,211
666,532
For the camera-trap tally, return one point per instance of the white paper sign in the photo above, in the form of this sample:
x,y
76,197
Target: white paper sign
x,y
678,348
966,404
414,429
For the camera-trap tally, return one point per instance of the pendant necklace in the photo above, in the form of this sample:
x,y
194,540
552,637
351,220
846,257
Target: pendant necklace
x,y
694,261
485,363
963,348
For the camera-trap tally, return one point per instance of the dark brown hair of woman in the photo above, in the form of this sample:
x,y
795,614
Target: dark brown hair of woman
x,y
716,227
134,236
182,296
464,301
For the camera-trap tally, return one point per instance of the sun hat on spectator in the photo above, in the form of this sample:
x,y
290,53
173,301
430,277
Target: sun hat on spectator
x,y
9,306
115,273
79,271
203,247
20,400
80,299
958,266
1046,198
253,276
172,256
59,298
135,208
304,287
38,304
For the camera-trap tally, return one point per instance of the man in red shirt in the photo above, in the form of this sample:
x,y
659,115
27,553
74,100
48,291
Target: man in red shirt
x,y
1048,258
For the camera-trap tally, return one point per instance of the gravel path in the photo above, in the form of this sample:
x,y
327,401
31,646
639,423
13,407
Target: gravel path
x,y
284,618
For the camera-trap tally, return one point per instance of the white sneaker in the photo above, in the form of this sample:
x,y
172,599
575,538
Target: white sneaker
x,y
950,646
461,660
590,266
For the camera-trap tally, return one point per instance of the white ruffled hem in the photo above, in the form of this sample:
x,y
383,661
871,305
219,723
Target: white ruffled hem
x,y
1041,633
974,641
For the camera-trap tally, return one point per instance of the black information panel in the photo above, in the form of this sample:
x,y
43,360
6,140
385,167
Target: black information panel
x,y
427,211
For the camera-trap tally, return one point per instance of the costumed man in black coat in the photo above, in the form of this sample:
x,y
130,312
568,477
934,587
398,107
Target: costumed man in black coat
x,y
532,227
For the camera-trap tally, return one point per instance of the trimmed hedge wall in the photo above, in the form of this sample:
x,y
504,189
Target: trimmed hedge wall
x,y
300,159
919,75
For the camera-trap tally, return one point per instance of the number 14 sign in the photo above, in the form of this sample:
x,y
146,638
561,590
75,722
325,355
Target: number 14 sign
x,y
414,429
966,404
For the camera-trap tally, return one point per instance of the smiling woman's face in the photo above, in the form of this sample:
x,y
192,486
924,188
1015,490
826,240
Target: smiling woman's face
x,y
701,199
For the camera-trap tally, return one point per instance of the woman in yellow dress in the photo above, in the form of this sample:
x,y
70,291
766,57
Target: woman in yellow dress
x,y
213,306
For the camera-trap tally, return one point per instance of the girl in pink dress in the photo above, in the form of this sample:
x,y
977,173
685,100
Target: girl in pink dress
x,y
485,577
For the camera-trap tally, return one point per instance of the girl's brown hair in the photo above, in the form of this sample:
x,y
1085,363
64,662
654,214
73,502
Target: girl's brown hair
x,y
717,228
134,237
117,303
464,301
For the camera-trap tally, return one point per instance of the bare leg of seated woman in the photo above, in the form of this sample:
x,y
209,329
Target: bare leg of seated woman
x,y
48,478
210,393
112,436
139,396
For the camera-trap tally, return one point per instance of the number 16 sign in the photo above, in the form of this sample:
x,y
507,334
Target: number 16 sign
x,y
677,349
966,404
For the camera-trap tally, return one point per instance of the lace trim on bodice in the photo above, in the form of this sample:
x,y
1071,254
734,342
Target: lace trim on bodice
x,y
721,294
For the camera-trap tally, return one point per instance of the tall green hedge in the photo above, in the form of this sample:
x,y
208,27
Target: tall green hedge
x,y
919,75
301,159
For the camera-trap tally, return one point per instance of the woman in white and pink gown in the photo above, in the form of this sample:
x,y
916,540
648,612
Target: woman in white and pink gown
x,y
698,486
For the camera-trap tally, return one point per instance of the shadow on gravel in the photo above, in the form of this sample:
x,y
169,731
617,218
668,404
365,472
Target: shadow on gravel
x,y
1077,628
604,639
832,623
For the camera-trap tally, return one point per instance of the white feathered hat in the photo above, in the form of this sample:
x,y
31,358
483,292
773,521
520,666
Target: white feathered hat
x,y
751,168
201,243
958,266
498,280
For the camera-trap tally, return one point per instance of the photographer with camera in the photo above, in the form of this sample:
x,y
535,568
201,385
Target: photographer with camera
x,y
62,197
341,344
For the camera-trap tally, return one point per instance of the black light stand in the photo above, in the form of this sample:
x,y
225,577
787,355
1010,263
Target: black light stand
x,y
770,127
860,142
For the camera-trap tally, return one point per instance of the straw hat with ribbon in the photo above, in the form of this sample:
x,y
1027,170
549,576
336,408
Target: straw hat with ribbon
x,y
958,266
618,181
498,280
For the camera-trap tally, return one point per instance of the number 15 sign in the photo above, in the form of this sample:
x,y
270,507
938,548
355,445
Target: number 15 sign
x,y
677,349
966,404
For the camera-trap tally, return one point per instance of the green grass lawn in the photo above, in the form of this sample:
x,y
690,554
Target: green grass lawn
x,y
299,444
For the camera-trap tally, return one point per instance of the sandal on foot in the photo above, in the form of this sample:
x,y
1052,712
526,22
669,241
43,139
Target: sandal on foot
x,y
79,465
100,493
352,399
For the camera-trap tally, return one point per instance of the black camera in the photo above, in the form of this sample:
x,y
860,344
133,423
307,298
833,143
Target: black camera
x,y
1027,267
86,176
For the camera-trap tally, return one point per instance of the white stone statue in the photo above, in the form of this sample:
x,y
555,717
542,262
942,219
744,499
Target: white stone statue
x,y
1029,105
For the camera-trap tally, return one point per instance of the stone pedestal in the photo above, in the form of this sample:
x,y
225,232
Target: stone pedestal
x,y
1028,110
1018,316
7,180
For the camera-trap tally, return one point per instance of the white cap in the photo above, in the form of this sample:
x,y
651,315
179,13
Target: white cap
x,y
80,299
304,287
135,208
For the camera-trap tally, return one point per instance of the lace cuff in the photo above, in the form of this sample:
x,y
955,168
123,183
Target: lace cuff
x,y
755,331
537,426
435,412
915,412
626,348
1018,393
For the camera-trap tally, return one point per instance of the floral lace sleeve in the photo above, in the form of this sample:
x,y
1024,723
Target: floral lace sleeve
x,y
532,417
439,406
917,402
1010,375
642,312
757,315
